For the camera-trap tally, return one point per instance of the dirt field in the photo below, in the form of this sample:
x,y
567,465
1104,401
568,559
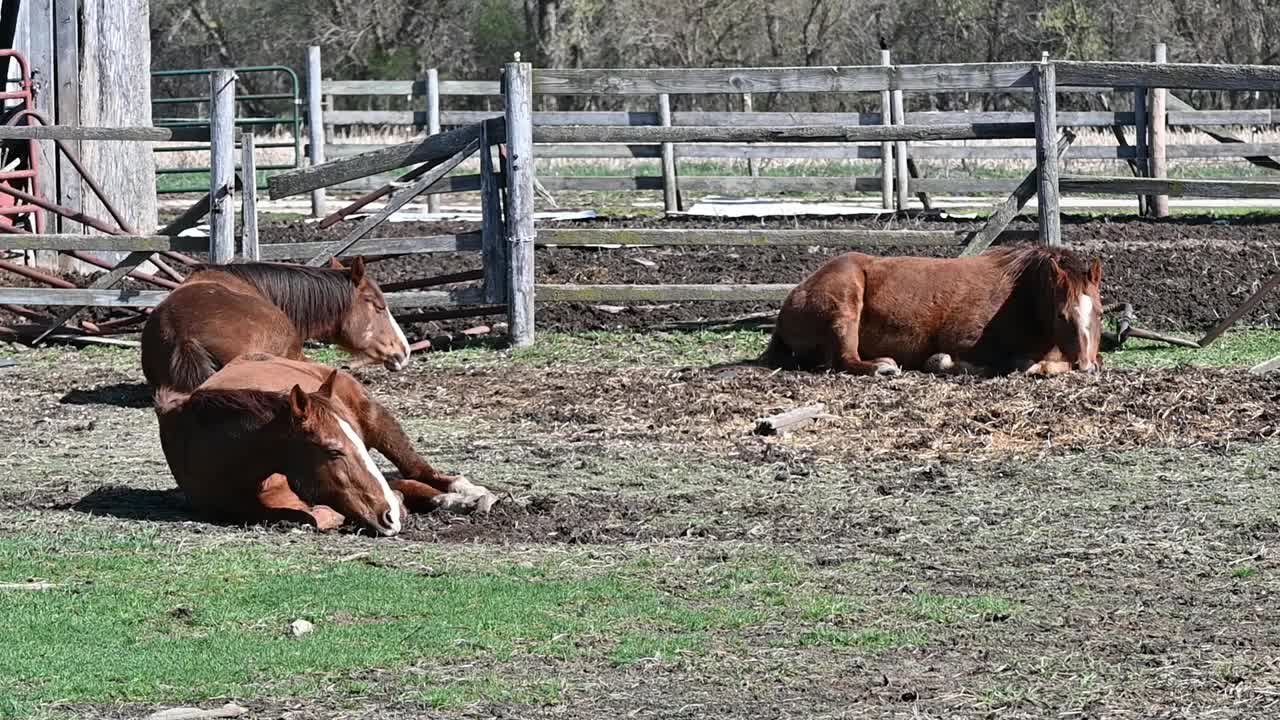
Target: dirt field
x,y
1078,547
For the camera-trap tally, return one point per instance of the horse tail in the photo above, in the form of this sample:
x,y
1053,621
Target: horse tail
x,y
167,400
190,365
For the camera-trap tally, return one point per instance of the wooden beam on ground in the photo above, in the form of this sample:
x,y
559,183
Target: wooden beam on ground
x,y
397,201
783,423
1263,368
354,167
1249,304
833,133
1009,209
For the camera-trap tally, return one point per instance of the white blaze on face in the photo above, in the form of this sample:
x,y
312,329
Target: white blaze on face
x,y
400,334
1084,316
372,467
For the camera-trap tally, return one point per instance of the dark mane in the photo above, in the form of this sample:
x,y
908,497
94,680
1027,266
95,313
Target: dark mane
x,y
1019,258
313,298
258,406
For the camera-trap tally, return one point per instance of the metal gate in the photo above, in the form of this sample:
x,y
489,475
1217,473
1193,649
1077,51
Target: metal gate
x,y
188,179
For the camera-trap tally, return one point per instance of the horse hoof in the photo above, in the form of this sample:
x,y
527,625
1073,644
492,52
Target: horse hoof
x,y
888,370
327,518
939,363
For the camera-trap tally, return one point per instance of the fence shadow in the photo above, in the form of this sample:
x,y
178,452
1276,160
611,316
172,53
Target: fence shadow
x,y
128,503
126,395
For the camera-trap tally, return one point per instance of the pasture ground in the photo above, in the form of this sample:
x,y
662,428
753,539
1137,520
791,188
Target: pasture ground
x,y
938,547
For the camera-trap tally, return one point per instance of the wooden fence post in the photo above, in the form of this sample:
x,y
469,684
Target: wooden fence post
x,y
315,125
1141,154
517,92
886,148
900,152
493,235
1159,129
222,165
433,124
249,201
670,189
1046,105
753,165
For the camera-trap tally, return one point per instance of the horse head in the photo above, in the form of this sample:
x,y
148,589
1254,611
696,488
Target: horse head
x,y
332,466
1077,311
368,330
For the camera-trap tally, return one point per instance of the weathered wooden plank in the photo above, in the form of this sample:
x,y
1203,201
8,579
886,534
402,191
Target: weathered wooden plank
x,y
887,167
901,175
316,122
670,191
571,237
409,87
765,184
81,297
435,147
1176,187
867,78
435,298
129,134
662,293
398,199
783,423
1169,75
1045,100
517,82
104,243
1158,129
432,91
377,246
470,87
1268,366
834,133
222,215
493,230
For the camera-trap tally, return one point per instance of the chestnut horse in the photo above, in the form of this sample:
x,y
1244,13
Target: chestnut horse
x,y
1024,308
223,311
267,438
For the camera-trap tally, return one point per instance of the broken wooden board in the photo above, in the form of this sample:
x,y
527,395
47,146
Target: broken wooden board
x,y
784,423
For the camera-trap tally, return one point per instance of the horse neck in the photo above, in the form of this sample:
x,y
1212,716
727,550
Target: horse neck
x,y
312,309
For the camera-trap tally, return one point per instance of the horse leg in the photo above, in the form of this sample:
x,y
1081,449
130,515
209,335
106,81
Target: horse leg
x,y
845,349
277,501
944,364
424,488
1049,367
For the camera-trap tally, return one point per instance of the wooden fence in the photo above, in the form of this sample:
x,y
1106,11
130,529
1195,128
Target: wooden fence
x,y
1148,157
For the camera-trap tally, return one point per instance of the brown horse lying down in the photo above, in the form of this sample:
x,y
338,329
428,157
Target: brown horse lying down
x,y
223,311
268,438
1023,308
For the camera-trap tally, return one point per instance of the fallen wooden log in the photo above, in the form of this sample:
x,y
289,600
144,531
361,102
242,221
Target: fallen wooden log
x,y
784,423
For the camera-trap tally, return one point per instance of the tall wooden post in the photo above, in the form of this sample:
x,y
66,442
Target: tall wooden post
x,y
66,44
1159,133
900,152
886,148
670,187
432,92
493,234
222,165
249,201
753,165
1141,160
517,91
1046,109
315,125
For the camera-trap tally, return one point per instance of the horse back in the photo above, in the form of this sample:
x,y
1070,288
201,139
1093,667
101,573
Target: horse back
x,y
262,371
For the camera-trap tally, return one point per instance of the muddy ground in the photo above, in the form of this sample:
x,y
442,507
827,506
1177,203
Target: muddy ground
x,y
1180,274
1108,518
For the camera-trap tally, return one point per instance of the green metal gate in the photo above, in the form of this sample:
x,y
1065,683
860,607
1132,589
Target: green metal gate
x,y
189,179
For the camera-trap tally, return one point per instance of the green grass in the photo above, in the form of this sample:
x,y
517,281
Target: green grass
x,y
869,640
1244,572
948,609
1239,349
132,619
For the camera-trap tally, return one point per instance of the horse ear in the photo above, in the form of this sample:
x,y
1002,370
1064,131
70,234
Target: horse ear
x,y
299,403
357,270
334,264
1095,271
326,389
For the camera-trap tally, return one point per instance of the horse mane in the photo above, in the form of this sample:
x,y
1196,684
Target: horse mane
x,y
1020,258
251,407
312,298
